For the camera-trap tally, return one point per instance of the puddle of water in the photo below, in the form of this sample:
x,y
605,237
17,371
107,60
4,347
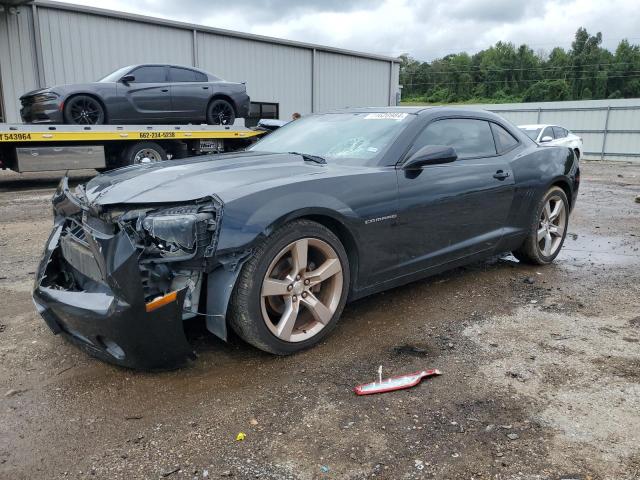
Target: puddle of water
x,y
586,249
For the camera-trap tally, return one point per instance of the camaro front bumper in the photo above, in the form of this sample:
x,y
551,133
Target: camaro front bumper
x,y
108,318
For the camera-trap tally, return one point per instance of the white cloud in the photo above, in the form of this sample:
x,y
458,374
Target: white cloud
x,y
391,27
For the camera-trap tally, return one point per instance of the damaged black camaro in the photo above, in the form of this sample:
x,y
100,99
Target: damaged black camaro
x,y
273,241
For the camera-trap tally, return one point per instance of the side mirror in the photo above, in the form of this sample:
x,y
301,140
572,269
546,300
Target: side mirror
x,y
545,139
430,155
127,79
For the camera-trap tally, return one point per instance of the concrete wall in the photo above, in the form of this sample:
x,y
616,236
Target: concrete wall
x,y
49,43
610,129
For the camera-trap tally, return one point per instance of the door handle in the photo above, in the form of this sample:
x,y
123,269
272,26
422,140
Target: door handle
x,y
205,88
500,175
164,90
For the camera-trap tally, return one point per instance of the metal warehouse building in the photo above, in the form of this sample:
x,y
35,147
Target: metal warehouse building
x,y
44,43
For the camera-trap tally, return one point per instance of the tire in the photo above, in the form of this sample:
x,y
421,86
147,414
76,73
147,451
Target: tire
x,y
220,112
84,110
577,153
143,152
534,249
257,316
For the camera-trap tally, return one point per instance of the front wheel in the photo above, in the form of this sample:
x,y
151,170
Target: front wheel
x,y
547,230
292,290
83,110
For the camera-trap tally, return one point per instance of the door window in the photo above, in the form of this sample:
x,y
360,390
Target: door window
x,y
470,137
504,140
150,74
559,132
547,132
185,75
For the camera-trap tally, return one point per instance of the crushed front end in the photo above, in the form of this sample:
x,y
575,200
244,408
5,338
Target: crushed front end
x,y
119,282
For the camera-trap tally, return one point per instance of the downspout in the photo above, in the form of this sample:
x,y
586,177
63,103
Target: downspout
x,y
194,49
37,42
313,81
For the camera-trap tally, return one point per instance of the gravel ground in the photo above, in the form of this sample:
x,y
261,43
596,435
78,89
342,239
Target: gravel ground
x,y
541,372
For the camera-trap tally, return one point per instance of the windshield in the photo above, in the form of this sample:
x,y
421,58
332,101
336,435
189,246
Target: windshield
x,y
341,137
532,133
117,75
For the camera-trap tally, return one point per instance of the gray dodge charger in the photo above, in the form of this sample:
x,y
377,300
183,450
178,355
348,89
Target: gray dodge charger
x,y
140,94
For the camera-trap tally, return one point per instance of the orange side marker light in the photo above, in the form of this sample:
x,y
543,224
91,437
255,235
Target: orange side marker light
x,y
161,301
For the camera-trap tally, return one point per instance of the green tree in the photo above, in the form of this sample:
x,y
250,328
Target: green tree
x,y
503,72
548,91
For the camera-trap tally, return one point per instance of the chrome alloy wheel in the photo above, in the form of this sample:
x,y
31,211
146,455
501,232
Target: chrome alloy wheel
x,y
553,221
147,155
301,289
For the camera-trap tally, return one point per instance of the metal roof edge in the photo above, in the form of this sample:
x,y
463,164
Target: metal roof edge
x,y
202,28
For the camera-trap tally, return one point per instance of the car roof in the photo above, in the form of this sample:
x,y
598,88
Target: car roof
x,y
536,125
414,110
419,109
157,64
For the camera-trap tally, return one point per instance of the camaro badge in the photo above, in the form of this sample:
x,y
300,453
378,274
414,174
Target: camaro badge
x,y
380,219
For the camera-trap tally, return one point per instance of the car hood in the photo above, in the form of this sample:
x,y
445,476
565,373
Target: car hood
x,y
225,176
68,88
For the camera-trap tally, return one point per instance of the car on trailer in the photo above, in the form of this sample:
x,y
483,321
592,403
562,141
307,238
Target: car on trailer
x,y
140,94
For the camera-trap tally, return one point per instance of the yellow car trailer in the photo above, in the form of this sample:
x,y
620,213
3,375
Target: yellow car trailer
x,y
37,148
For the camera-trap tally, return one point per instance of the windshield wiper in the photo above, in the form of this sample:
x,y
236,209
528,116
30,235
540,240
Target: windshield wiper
x,y
310,158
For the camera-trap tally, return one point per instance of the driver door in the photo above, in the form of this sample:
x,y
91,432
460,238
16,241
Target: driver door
x,y
453,210
148,96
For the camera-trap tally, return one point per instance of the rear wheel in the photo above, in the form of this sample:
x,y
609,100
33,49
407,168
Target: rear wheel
x,y
292,291
83,110
547,230
143,152
220,112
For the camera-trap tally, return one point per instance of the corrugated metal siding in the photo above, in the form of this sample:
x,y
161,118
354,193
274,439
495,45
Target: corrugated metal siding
x,y
578,119
625,119
80,47
617,138
625,143
591,142
520,118
274,73
395,81
344,81
18,69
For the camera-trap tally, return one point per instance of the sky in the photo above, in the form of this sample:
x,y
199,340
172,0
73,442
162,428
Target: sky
x,y
424,29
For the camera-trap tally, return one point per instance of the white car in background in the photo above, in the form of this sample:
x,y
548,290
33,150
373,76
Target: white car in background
x,y
553,135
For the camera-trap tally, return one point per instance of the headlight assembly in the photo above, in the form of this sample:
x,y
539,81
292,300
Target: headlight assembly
x,y
177,231
45,97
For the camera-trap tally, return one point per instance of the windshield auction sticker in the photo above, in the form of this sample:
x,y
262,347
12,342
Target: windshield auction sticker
x,y
385,116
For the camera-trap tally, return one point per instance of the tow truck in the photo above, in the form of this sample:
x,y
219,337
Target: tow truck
x,y
39,147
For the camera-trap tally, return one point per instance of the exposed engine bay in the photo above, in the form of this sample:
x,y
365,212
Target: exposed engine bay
x,y
174,247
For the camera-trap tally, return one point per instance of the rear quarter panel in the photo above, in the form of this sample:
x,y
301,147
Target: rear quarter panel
x,y
535,170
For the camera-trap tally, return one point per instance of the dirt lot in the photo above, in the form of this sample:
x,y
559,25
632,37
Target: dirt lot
x,y
541,373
